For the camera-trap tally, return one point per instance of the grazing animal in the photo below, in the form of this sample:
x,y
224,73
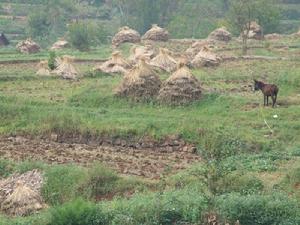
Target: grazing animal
x,y
269,90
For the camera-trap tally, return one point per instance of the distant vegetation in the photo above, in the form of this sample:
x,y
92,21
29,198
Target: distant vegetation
x,y
47,20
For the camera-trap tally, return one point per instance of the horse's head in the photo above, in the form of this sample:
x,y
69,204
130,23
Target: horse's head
x,y
256,85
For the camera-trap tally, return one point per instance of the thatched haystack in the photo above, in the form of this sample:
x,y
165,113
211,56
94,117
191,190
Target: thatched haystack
x,y
255,31
205,58
273,36
60,44
137,52
140,83
196,47
164,61
3,40
180,88
220,34
28,46
23,201
115,65
126,34
156,33
14,199
43,68
66,68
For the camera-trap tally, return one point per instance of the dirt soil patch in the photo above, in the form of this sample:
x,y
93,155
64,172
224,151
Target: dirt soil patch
x,y
145,161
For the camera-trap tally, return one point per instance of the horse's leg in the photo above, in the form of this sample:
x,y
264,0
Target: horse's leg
x,y
274,100
264,100
267,100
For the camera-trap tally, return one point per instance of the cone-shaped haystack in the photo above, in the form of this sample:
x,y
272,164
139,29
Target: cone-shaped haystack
x,y
255,31
66,68
22,201
43,68
60,44
196,48
126,34
156,33
140,83
205,58
180,88
220,34
137,52
3,40
164,61
28,46
116,64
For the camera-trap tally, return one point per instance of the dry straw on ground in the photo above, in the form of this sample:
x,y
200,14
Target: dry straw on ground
x,y
126,34
66,69
180,88
19,194
22,201
115,65
220,34
28,46
164,61
60,44
43,69
205,58
140,83
156,33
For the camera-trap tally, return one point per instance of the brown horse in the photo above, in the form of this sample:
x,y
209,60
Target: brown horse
x,y
269,90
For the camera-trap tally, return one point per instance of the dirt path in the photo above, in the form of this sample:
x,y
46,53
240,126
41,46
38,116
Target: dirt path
x,y
149,163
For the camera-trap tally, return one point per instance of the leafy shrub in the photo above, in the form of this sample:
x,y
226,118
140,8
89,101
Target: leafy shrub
x,y
82,35
51,60
259,209
186,205
62,183
100,180
77,212
244,184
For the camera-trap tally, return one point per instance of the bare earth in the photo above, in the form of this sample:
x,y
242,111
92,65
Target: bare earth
x,y
145,162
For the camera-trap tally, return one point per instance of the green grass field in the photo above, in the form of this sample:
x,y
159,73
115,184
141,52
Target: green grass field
x,y
255,154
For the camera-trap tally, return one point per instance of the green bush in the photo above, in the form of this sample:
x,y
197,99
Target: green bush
x,y
51,60
186,205
259,209
62,183
79,36
100,181
77,212
244,184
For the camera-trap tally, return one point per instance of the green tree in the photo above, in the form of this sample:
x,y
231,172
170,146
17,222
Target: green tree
x,y
243,12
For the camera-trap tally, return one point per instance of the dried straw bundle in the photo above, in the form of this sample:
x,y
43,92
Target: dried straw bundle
x,y
28,46
126,34
205,58
140,83
60,44
197,47
180,88
66,68
156,33
220,34
137,52
164,61
116,64
22,201
43,69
